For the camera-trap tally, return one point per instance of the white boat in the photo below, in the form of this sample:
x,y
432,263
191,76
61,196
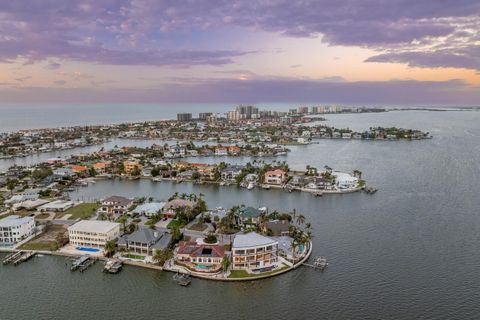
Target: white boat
x,y
250,186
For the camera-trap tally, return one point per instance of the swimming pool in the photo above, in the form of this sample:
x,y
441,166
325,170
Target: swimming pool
x,y
87,249
202,266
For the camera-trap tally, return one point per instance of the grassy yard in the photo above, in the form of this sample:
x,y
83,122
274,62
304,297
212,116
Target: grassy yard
x,y
198,226
83,211
46,241
174,223
235,274
134,256
42,216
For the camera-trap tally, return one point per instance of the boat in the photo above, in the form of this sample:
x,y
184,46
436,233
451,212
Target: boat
x,y
250,186
182,279
113,266
321,263
265,187
76,264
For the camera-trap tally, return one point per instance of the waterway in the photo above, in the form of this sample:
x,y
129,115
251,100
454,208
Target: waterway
x,y
410,251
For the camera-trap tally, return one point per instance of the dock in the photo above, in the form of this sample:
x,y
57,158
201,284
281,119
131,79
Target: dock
x,y
113,266
87,264
12,257
76,264
319,263
24,257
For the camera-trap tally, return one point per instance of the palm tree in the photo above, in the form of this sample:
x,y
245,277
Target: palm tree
x,y
110,247
225,263
294,245
294,214
300,219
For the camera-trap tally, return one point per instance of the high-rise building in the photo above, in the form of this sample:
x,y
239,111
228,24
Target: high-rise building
x,y
302,110
184,116
204,115
233,115
247,112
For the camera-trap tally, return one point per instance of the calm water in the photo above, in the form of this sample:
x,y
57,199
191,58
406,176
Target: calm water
x,y
408,252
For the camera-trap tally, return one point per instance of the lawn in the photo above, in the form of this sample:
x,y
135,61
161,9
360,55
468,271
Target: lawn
x,y
42,216
244,274
82,211
174,224
134,256
198,226
46,241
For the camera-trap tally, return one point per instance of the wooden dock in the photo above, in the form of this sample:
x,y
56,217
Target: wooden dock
x,y
24,257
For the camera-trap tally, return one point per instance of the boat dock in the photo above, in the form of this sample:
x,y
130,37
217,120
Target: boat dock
x,y
78,263
319,263
12,257
16,258
182,279
25,256
113,266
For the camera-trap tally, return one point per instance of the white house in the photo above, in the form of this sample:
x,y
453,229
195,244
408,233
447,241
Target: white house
x,y
93,233
14,229
254,252
345,180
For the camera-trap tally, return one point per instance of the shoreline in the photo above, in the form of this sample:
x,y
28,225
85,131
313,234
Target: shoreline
x,y
160,268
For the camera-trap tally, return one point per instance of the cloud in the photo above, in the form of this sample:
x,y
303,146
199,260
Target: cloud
x,y
453,92
147,32
295,66
53,66
22,79
60,82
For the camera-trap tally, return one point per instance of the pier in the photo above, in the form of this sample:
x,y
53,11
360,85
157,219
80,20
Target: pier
x,y
319,263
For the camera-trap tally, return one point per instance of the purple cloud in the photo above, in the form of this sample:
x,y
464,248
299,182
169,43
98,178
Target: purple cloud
x,y
137,32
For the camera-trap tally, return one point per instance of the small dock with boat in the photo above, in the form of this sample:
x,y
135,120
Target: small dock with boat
x,y
113,266
319,263
82,263
182,279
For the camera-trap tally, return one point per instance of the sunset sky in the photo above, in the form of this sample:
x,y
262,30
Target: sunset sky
x,y
344,51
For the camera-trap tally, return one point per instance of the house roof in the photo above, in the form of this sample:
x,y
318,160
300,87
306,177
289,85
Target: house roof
x,y
94,226
251,239
150,207
250,212
277,226
200,250
14,220
175,203
145,235
118,200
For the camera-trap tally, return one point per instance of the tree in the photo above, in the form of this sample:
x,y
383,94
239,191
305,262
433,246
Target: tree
x,y
300,219
225,263
110,247
123,220
294,245
161,256
210,238
92,172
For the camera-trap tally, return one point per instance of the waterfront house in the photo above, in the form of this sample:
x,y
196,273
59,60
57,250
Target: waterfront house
x,y
234,150
254,252
77,169
130,166
249,215
148,209
93,233
345,180
102,167
276,228
115,205
221,151
199,257
57,206
171,207
230,173
145,241
14,229
275,177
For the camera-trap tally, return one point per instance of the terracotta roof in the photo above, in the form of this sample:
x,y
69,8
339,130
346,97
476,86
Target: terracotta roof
x,y
200,250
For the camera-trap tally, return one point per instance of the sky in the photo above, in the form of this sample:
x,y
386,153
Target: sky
x,y
401,52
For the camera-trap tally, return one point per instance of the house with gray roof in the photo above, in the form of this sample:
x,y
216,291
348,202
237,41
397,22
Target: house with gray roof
x,y
145,241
